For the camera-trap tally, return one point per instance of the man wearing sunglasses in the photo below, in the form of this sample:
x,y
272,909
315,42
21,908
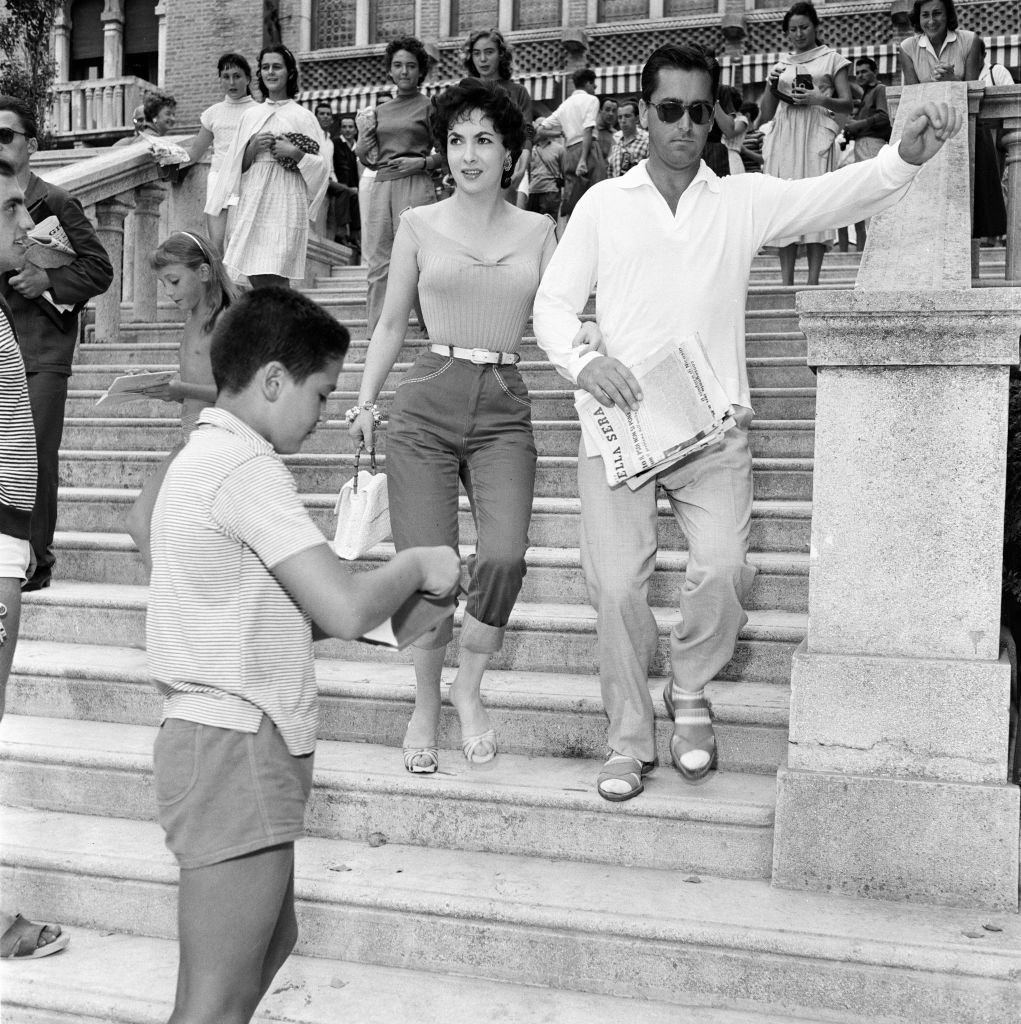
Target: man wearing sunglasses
x,y
671,246
47,335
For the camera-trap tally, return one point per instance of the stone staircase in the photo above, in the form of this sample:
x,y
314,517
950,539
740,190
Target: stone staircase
x,y
509,891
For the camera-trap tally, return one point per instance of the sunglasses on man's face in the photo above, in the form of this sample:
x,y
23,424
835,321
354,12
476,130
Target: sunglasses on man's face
x,y
669,111
7,135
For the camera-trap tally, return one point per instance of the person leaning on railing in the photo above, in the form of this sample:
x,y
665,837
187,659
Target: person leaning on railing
x,y
941,52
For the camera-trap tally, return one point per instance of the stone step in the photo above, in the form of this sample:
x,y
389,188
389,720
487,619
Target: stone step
x,y
768,438
769,403
131,979
596,928
143,344
788,479
554,574
540,637
775,525
768,372
514,805
547,714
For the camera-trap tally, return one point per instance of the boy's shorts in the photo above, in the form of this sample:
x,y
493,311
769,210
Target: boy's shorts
x,y
15,557
222,793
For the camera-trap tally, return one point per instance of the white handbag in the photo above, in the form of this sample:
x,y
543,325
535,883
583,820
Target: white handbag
x,y
363,512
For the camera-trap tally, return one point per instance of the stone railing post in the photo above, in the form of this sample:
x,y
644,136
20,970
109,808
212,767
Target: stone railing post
x,y
146,238
896,782
110,214
1012,140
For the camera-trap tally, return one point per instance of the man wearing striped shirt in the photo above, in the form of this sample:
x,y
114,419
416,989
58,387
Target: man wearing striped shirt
x,y
19,937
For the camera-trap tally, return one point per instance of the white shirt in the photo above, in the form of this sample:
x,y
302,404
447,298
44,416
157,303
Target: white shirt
x,y
660,277
995,74
578,112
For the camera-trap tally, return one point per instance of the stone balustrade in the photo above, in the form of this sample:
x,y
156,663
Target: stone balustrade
x,y
96,106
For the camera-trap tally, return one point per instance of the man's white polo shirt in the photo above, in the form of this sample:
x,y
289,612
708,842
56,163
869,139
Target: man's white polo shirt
x,y
225,641
660,276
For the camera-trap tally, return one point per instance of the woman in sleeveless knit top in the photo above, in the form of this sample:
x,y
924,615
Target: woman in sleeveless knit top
x,y
462,414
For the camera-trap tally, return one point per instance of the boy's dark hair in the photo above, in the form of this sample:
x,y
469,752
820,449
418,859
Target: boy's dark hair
x,y
234,60
629,102
683,57
290,63
503,48
750,110
473,94
582,77
154,102
414,47
274,325
868,62
915,17
323,105
23,112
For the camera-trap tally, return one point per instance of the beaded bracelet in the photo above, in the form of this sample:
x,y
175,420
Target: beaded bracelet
x,y
356,410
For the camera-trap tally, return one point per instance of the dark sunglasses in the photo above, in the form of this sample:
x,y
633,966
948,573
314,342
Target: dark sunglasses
x,y
669,111
7,135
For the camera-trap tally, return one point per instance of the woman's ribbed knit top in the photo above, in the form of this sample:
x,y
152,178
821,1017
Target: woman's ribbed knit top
x,y
472,300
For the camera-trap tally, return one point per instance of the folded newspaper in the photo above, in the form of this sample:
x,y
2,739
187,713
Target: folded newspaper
x,y
49,245
135,387
684,409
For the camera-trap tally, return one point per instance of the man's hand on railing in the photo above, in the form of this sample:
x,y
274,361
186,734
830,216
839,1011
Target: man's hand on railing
x,y
927,130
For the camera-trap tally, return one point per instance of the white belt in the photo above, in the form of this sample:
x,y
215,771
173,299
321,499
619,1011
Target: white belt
x,y
477,355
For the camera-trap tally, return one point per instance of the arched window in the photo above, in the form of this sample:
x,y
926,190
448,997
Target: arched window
x,y
86,39
141,39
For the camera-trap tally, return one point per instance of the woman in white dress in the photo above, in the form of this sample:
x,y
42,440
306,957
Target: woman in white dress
x,y
279,176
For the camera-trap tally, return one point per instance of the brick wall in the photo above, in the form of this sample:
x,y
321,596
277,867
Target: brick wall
x,y
198,32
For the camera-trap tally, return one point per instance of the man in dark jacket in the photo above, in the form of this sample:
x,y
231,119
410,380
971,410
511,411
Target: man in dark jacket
x,y
46,305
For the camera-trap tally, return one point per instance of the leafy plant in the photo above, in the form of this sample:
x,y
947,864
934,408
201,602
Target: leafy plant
x,y
28,69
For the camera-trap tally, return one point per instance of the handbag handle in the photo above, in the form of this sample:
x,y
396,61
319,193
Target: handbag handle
x,y
372,464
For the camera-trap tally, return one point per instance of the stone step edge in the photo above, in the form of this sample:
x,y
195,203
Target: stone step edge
x,y
785,563
734,702
722,914
730,799
785,627
331,459
761,507
131,979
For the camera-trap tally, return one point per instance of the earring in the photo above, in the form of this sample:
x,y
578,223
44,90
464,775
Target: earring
x,y
507,163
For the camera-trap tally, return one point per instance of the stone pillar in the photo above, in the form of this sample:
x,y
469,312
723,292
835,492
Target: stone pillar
x,y
1012,140
110,214
161,42
113,39
62,44
146,240
896,782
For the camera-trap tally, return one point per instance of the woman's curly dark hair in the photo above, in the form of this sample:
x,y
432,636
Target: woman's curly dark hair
x,y
414,47
502,47
470,94
290,62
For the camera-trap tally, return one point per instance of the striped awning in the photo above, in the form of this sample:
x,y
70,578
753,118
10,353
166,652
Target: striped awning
x,y
619,80
344,101
540,87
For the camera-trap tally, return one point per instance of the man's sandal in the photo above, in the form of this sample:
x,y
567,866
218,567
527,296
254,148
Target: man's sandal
x,y
693,743
621,777
25,940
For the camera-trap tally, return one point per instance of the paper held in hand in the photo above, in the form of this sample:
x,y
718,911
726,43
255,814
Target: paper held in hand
x,y
683,410
50,246
135,387
419,613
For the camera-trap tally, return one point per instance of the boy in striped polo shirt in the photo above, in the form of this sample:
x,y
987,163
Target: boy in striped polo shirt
x,y
240,574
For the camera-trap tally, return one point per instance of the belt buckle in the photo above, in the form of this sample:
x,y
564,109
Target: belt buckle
x,y
480,356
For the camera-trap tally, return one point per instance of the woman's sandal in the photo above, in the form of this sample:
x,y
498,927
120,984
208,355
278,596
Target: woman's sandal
x,y
693,739
628,771
21,940
480,749
421,760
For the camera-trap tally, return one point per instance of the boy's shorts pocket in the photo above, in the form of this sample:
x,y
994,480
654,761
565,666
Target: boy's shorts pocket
x,y
175,760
